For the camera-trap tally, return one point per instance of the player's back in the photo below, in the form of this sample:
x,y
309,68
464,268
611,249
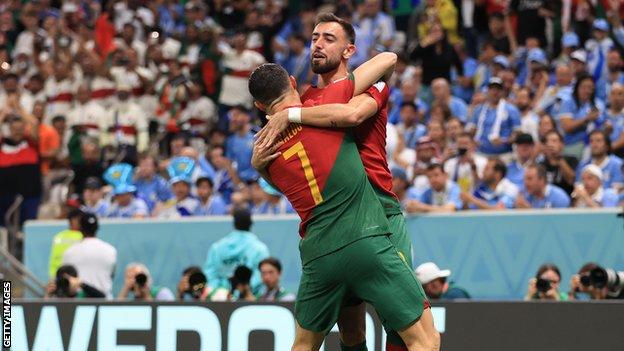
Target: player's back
x,y
321,174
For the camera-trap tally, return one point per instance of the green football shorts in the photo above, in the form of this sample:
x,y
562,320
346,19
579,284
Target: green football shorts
x,y
370,269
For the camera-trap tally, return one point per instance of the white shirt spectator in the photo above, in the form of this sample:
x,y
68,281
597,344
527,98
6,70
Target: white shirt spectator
x,y
127,125
60,95
90,116
103,91
529,123
200,114
136,45
234,89
462,173
95,261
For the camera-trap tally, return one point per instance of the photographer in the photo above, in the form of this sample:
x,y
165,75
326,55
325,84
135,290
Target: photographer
x,y
271,271
240,285
68,285
139,282
194,284
596,283
545,284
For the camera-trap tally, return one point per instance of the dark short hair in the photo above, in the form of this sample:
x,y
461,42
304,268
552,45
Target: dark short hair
x,y
268,83
89,224
410,104
435,166
66,269
606,137
555,132
75,213
497,15
201,180
242,219
541,171
191,270
58,118
273,262
499,166
327,17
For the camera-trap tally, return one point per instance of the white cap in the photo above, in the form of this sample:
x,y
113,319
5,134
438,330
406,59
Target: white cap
x,y
579,55
594,170
429,271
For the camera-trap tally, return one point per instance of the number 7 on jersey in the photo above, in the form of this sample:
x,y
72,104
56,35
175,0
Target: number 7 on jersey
x,y
299,150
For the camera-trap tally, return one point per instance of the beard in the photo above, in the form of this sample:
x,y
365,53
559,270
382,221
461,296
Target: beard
x,y
327,66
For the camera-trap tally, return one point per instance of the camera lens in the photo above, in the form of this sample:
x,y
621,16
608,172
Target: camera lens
x,y
599,277
542,285
140,279
585,280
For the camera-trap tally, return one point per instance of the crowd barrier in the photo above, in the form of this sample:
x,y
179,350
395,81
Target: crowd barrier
x,y
465,326
490,254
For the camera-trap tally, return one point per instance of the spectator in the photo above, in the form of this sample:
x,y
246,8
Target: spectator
x,y
591,193
466,168
296,60
538,193
598,48
60,88
375,26
559,168
442,195
124,203
151,187
436,285
579,115
180,171
408,92
223,173
437,55
89,164
271,272
545,285
239,247
138,281
68,285
495,121
210,204
495,191
499,33
550,100
612,75
94,259
524,156
238,146
613,118
20,170
441,92
64,240
48,138
195,284
400,185
611,165
199,116
409,127
265,199
127,126
529,121
93,198
531,17
238,61
578,60
87,117
426,154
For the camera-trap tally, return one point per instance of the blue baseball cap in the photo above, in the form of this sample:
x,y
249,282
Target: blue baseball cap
x,y
601,24
399,173
537,55
501,60
570,39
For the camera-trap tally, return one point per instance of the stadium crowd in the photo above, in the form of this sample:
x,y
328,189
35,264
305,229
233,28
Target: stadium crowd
x,y
131,108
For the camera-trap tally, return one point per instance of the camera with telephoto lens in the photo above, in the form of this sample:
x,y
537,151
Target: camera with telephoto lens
x,y
241,276
543,285
605,277
140,280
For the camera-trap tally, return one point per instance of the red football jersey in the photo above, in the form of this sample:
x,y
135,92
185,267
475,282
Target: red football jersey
x,y
370,135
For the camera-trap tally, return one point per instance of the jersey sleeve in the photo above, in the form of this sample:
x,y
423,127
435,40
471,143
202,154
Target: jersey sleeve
x,y
380,92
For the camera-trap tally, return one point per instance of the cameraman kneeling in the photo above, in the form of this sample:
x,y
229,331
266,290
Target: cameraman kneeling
x,y
545,285
597,283
139,282
68,285
194,284
240,285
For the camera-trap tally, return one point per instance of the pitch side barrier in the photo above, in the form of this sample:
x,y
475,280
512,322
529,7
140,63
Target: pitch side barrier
x,y
466,326
491,254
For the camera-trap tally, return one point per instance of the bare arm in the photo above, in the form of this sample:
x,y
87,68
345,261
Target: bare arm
x,y
418,206
571,125
377,68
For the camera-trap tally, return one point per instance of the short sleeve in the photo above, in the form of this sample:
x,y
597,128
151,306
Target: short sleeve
x,y
380,92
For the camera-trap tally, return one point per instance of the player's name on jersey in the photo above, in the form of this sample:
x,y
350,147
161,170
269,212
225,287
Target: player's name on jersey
x,y
290,132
